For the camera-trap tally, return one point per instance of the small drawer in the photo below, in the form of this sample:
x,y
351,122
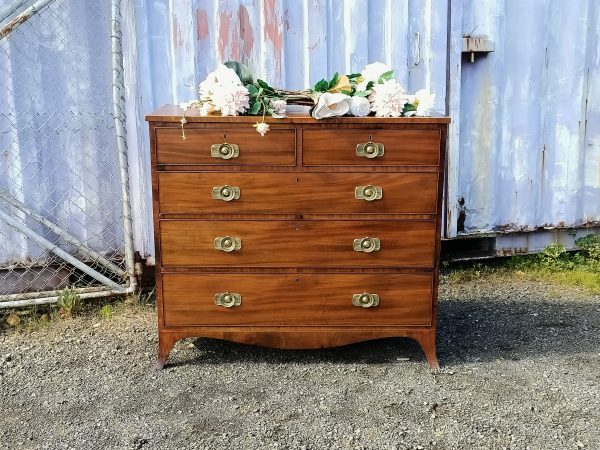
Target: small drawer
x,y
307,299
398,147
302,193
247,147
304,243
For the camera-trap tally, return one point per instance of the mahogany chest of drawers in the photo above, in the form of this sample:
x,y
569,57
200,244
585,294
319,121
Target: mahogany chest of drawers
x,y
321,233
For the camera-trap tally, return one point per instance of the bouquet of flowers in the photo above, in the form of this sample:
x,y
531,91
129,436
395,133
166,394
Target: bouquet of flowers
x,y
231,90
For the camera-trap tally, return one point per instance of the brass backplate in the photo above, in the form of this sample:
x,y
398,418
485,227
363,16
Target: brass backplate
x,y
370,150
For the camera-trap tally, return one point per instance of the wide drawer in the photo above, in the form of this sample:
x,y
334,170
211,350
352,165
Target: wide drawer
x,y
302,299
263,193
304,243
278,147
400,147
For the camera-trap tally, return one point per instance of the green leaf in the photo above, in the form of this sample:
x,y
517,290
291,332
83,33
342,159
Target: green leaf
x,y
242,71
264,85
370,85
252,90
346,92
362,93
321,86
386,76
254,109
334,80
409,107
352,76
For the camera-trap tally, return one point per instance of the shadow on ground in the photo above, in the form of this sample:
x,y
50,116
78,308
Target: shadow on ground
x,y
486,329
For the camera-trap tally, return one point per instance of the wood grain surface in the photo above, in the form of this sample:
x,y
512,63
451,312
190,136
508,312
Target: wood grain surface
x,y
307,299
278,147
402,147
272,193
277,243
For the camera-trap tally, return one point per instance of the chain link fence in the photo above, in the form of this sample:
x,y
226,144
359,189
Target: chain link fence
x,y
64,198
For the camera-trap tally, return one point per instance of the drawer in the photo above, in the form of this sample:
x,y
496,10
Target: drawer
x,y
400,147
278,147
272,193
299,299
304,243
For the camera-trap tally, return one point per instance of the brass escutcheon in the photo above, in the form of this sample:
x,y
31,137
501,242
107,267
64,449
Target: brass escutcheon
x,y
228,243
224,151
226,193
366,244
365,300
368,193
370,150
228,299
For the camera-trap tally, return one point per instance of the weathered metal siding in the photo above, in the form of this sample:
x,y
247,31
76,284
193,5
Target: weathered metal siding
x,y
529,143
289,43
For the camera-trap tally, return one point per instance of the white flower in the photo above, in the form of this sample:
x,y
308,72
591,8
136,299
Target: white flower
x,y
261,127
359,106
371,72
388,99
206,109
279,108
424,102
330,105
231,100
224,76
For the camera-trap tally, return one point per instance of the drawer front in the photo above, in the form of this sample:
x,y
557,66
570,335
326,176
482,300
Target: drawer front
x,y
400,147
278,147
308,243
299,299
262,193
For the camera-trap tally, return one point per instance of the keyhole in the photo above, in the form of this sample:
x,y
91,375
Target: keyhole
x,y
225,137
297,180
370,137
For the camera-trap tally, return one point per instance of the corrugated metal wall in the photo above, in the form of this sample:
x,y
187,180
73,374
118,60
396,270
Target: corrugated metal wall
x,y
528,151
525,140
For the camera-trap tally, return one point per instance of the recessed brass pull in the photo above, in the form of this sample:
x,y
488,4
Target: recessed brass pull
x,y
365,300
228,299
368,193
224,151
226,193
370,150
228,243
366,244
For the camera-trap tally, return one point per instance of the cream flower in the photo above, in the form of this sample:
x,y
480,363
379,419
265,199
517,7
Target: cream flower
x,y
231,100
279,107
206,109
388,99
359,106
330,105
261,127
425,102
371,72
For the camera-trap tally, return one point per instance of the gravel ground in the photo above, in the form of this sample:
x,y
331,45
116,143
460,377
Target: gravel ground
x,y
520,370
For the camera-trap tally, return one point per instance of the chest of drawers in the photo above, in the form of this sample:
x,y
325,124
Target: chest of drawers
x,y
319,234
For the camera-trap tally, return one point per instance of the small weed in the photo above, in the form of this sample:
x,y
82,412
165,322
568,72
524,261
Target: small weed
x,y
69,302
106,312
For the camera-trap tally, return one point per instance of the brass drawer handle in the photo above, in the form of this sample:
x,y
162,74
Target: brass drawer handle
x,y
228,299
226,193
370,150
368,193
228,243
365,300
366,244
224,151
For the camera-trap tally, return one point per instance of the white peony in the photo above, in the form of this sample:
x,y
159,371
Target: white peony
x,y
231,100
371,72
388,99
424,101
224,76
206,109
279,107
330,105
359,106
